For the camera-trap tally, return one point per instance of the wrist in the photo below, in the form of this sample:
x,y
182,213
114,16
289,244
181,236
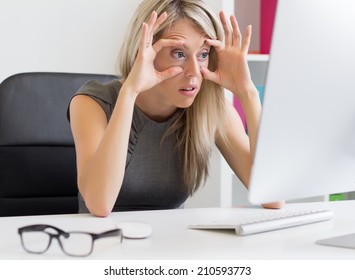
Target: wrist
x,y
129,91
249,96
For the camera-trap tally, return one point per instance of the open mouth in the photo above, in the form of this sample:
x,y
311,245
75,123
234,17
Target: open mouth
x,y
188,91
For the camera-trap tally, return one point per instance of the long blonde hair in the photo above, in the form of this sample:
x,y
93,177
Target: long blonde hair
x,y
195,127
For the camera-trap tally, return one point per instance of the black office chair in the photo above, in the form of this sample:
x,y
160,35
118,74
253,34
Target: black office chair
x,y
37,154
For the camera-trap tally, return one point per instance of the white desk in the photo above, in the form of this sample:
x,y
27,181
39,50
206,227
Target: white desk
x,y
171,239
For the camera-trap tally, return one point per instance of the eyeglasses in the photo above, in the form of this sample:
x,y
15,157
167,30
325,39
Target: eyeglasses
x,y
36,239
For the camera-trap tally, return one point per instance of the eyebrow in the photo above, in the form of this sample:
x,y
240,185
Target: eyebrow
x,y
186,47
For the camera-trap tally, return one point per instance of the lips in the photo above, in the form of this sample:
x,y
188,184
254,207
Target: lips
x,y
188,90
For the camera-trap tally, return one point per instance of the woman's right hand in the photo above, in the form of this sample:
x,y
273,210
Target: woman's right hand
x,y
143,75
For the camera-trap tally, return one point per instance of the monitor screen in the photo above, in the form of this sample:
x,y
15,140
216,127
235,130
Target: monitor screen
x,y
306,140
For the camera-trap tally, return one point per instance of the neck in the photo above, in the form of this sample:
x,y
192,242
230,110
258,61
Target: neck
x,y
153,107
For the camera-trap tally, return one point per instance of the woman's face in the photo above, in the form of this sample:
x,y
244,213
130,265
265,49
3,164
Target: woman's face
x,y
181,90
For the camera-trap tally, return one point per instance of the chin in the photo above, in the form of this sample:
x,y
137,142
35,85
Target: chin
x,y
184,105
185,102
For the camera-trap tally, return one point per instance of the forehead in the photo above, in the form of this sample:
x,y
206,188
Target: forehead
x,y
185,29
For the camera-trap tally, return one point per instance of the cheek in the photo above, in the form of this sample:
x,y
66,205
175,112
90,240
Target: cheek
x,y
158,64
163,61
205,63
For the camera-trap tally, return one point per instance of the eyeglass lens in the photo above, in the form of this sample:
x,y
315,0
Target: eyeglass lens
x,y
76,244
36,241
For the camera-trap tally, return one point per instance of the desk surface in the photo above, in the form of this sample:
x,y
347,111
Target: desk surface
x,y
171,239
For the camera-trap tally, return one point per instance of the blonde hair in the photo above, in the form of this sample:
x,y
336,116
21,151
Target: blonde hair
x,y
195,127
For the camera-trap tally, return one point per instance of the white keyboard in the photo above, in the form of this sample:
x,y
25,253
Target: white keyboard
x,y
267,221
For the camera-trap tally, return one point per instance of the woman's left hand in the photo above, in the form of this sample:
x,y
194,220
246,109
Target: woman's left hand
x,y
232,71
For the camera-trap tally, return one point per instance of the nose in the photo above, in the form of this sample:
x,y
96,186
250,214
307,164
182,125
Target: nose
x,y
192,68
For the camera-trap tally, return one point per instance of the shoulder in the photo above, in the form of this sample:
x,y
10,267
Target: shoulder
x,y
106,92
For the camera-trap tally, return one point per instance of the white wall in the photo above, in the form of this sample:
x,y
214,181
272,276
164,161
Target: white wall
x,y
66,35
62,35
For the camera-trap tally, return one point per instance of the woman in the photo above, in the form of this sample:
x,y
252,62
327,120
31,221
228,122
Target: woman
x,y
144,142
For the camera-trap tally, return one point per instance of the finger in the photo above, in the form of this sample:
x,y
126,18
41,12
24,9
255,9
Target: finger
x,y
160,20
169,73
151,22
144,37
153,18
163,43
218,45
227,30
246,40
236,32
209,75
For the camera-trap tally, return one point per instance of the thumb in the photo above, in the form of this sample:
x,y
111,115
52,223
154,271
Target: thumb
x,y
209,75
170,72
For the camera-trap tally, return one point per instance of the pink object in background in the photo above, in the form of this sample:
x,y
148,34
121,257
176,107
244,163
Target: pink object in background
x,y
240,111
267,15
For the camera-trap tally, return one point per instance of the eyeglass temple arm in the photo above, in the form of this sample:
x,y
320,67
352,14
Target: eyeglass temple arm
x,y
110,233
40,227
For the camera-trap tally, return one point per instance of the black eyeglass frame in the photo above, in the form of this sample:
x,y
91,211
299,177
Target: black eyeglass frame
x,y
66,234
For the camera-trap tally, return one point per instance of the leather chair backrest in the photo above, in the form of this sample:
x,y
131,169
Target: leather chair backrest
x,y
37,154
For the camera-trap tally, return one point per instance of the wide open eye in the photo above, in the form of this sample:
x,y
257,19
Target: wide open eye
x,y
203,56
178,54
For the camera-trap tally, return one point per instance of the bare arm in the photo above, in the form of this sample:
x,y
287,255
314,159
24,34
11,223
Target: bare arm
x,y
101,147
238,151
233,74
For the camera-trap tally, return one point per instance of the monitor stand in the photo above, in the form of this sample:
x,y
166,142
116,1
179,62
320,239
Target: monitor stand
x,y
344,241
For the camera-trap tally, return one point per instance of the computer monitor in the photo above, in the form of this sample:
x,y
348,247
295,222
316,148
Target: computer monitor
x,y
306,141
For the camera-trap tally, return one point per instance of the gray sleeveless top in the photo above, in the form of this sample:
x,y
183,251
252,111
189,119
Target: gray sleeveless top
x,y
152,177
